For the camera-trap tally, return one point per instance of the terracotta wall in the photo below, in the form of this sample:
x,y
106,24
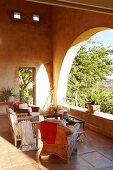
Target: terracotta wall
x,y
68,24
26,44
23,44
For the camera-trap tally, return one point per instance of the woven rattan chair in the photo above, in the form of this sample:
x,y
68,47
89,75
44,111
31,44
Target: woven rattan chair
x,y
65,142
14,119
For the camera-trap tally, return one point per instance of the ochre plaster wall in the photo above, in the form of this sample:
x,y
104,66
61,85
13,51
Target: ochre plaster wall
x,y
68,24
23,44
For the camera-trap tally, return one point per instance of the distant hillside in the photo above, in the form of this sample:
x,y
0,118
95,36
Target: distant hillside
x,y
108,83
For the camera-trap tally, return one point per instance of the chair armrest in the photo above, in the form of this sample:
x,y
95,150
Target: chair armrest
x,y
22,111
35,108
68,131
76,127
24,118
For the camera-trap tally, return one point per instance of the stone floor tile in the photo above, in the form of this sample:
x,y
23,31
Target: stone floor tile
x,y
110,168
107,152
94,153
77,163
97,160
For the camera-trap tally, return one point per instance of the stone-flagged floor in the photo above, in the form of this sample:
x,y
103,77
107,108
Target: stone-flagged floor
x,y
94,153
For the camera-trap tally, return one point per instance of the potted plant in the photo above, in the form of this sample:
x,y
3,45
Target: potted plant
x,y
93,106
55,109
7,94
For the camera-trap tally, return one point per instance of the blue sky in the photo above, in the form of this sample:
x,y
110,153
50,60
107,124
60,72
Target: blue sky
x,y
106,37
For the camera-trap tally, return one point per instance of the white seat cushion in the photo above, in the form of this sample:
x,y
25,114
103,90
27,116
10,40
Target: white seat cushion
x,y
23,106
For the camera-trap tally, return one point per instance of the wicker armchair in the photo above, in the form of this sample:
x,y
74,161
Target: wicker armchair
x,y
65,142
30,110
14,119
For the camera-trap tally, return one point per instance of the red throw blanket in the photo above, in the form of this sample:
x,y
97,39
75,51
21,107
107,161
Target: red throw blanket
x,y
48,132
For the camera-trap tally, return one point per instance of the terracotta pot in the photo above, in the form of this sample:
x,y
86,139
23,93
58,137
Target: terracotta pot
x,y
93,108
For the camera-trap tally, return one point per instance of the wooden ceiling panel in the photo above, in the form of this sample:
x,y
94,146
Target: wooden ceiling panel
x,y
101,6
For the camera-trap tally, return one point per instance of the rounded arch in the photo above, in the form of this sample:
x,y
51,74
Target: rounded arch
x,y
68,60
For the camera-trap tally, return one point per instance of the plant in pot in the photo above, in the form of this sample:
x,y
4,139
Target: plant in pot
x,y
55,109
7,94
93,106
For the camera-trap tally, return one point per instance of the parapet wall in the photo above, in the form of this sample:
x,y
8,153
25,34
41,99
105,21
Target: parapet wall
x,y
95,122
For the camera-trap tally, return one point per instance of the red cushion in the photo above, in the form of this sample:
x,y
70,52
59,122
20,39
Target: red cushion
x,y
17,103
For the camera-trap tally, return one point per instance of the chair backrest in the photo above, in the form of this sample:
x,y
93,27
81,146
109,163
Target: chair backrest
x,y
19,106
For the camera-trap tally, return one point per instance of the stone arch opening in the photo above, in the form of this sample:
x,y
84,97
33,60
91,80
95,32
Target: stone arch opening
x,y
68,60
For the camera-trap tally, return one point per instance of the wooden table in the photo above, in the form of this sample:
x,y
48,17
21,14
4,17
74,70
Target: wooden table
x,y
72,120
56,116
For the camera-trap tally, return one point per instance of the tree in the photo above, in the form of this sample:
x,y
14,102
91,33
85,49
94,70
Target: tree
x,y
90,66
25,78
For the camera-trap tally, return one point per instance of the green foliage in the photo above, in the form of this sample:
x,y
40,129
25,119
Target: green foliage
x,y
98,96
26,94
25,79
91,65
107,109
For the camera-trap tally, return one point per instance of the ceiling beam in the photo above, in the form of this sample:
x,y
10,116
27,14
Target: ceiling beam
x,y
78,5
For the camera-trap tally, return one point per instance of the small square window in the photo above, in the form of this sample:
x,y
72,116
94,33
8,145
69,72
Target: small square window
x,y
36,18
17,15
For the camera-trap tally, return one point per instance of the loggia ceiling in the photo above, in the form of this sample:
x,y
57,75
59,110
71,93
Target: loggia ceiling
x,y
102,6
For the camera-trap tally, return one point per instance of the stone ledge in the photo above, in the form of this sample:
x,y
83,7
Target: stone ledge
x,y
99,122
100,114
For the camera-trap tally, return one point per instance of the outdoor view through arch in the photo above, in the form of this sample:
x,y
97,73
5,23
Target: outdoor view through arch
x,y
91,76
